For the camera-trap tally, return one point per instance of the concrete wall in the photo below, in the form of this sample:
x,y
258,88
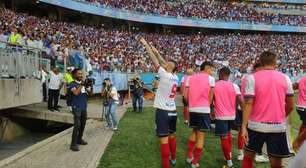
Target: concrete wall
x,y
10,130
29,92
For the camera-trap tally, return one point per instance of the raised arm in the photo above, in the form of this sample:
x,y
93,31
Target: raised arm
x,y
158,56
150,52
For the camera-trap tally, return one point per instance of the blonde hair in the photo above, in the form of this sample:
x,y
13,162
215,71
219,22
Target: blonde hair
x,y
189,71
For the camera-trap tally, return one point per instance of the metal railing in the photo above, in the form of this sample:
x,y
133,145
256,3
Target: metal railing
x,y
18,61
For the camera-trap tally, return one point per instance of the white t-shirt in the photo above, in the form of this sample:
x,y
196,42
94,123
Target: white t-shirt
x,y
43,76
166,92
55,81
115,93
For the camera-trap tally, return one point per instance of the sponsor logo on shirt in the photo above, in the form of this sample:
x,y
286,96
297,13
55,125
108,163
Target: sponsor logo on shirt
x,y
170,104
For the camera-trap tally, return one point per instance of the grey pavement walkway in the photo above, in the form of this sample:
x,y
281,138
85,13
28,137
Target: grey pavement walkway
x,y
56,153
40,111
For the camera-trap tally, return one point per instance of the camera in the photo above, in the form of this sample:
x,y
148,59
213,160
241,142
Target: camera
x,y
89,82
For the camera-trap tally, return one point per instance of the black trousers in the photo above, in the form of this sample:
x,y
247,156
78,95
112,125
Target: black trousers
x,y
80,117
68,96
53,99
44,87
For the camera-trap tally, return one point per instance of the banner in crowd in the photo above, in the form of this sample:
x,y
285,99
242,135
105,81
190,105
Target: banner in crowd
x,y
168,20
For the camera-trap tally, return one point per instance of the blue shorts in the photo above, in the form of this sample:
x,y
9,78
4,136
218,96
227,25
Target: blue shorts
x,y
199,121
302,113
165,122
223,127
277,144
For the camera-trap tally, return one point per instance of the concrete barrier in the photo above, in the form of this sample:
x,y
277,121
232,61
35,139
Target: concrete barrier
x,y
15,93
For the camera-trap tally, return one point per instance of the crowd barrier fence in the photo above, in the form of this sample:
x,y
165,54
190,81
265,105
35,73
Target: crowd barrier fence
x,y
21,62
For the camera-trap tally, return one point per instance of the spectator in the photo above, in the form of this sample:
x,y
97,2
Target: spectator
x,y
209,9
117,50
68,80
43,76
3,39
55,85
15,37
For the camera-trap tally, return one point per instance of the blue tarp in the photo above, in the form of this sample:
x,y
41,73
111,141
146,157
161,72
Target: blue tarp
x,y
120,80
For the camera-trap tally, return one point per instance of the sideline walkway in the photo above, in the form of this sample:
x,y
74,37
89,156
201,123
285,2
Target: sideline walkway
x,y
56,153
40,111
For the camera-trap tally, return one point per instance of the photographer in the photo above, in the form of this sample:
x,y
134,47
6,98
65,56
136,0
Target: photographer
x,y
110,100
80,90
137,91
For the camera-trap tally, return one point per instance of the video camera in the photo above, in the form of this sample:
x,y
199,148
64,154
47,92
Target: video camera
x,y
89,82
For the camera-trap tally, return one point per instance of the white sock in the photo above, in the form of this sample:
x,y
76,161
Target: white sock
x,y
229,163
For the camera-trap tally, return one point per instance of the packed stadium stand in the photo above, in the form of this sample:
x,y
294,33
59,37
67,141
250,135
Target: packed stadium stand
x,y
118,50
110,45
207,9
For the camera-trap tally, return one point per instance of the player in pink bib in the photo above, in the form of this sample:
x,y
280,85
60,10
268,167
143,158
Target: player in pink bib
x,y
199,94
260,158
301,102
268,100
225,97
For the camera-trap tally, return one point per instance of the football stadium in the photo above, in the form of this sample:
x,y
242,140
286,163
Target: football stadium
x,y
153,83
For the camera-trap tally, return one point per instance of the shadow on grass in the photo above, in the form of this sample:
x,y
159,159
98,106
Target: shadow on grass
x,y
136,146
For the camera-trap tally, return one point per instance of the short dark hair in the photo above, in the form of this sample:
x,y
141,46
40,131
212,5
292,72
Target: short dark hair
x,y
106,79
74,72
225,70
206,63
175,65
257,65
267,58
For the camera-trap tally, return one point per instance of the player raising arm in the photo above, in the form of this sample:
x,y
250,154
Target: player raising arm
x,y
164,103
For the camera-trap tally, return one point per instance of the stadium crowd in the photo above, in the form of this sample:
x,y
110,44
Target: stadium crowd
x,y
117,50
208,9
